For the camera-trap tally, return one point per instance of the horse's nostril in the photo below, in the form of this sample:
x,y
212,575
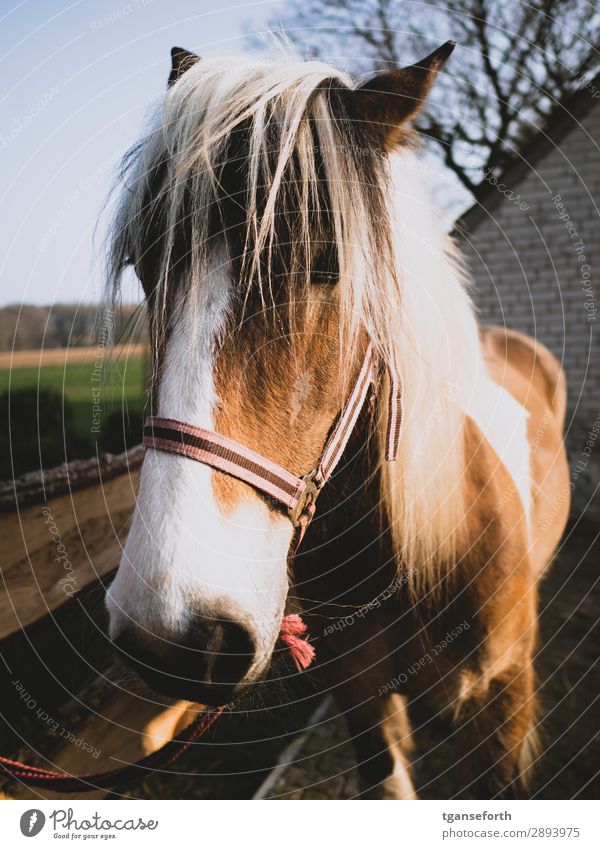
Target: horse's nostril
x,y
208,663
233,657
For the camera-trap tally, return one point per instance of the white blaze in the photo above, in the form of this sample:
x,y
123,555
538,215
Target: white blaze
x,y
182,553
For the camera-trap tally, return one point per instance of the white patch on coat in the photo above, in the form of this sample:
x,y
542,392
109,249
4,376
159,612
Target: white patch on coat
x,y
503,422
182,554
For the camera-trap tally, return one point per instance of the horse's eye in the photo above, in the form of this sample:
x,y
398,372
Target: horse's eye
x,y
324,278
325,266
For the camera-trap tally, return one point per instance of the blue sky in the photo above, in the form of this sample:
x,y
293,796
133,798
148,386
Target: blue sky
x,y
78,80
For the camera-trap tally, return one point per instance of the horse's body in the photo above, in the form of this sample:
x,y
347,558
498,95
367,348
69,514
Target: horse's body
x,y
419,577
466,647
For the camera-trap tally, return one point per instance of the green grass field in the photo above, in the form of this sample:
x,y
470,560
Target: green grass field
x,y
122,385
38,419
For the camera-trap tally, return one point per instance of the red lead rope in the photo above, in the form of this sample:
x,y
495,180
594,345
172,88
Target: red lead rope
x,y
302,653
62,782
296,494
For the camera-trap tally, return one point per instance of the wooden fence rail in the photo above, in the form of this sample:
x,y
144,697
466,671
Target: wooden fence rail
x,y
67,703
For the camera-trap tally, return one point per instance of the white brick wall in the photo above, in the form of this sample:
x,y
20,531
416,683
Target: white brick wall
x,y
528,274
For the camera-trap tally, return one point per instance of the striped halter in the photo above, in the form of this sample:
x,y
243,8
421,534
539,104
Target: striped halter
x,y
297,494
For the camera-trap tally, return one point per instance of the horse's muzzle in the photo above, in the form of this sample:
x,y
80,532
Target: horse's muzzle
x,y
207,664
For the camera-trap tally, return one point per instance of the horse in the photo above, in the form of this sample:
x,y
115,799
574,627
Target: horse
x,y
274,215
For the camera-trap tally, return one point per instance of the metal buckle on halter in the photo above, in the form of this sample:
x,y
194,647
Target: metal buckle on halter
x,y
307,497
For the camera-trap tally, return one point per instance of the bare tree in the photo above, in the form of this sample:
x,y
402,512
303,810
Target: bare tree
x,y
515,63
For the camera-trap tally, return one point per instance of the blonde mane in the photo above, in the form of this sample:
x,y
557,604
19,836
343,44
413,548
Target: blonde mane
x,y
439,360
399,279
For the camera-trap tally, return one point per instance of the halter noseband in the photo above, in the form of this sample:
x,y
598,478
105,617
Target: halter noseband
x,y
297,494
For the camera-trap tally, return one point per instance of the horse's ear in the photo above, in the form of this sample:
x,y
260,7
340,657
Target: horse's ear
x,y
390,100
181,61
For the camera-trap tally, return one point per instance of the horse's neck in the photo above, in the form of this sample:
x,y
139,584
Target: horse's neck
x,y
347,554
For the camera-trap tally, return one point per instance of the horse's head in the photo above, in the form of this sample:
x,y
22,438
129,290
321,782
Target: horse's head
x,y
256,217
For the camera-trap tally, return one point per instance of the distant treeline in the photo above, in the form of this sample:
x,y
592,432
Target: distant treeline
x,y
25,327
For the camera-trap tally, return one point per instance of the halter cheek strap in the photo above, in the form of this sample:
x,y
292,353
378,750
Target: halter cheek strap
x,y
297,494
